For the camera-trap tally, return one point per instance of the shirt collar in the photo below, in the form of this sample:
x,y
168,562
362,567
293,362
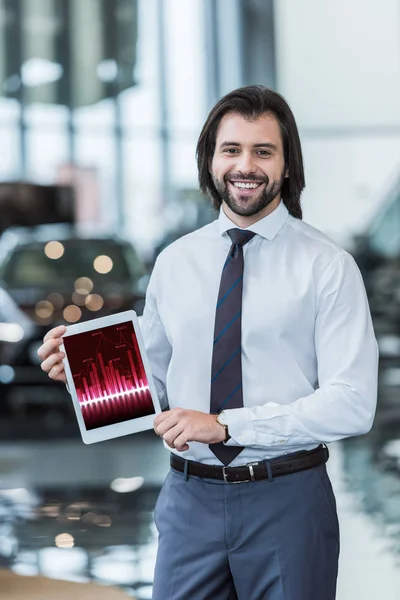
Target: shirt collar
x,y
267,227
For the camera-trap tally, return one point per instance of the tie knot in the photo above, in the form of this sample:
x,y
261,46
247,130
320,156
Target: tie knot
x,y
240,236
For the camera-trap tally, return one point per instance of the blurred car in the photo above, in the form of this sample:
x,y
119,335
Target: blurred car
x,y
17,333
385,295
55,276
47,269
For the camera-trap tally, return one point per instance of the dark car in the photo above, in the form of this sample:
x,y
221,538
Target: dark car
x,y
58,277
385,296
17,334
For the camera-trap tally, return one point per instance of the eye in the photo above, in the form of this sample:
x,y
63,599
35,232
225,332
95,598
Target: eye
x,y
264,152
231,150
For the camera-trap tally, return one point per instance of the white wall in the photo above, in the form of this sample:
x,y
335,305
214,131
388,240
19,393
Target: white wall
x,y
338,66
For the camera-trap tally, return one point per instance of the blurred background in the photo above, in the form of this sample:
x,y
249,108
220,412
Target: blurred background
x,y
101,104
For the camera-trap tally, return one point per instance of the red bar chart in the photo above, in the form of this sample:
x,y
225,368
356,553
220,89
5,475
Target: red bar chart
x,y
109,376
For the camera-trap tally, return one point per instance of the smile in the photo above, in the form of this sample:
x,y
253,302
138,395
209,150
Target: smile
x,y
246,186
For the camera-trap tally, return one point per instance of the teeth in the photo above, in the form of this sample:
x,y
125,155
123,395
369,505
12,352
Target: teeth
x,y
246,186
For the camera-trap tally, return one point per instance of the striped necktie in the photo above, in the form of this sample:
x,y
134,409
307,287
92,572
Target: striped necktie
x,y
226,369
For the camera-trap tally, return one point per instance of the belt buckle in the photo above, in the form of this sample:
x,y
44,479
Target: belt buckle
x,y
251,471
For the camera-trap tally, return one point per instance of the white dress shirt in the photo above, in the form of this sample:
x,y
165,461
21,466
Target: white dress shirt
x,y
309,353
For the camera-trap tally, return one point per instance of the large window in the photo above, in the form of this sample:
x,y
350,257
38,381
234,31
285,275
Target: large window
x,y
111,87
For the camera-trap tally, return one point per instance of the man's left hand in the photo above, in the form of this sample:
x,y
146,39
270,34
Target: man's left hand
x,y
179,426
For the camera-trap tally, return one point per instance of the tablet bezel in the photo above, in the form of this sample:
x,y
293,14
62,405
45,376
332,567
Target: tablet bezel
x,y
108,432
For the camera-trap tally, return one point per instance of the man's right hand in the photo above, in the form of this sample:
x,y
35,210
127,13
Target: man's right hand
x,y
51,357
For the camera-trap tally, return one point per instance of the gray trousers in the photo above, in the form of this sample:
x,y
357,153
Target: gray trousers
x,y
262,540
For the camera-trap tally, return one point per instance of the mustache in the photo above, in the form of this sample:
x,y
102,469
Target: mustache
x,y
250,178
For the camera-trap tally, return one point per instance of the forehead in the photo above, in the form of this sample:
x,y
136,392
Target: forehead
x,y
235,128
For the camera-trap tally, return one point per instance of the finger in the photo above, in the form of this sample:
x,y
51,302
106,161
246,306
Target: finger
x,y
48,348
51,361
55,332
170,445
171,421
57,373
181,440
172,435
178,413
161,417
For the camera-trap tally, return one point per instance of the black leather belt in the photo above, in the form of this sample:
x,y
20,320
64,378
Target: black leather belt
x,y
289,463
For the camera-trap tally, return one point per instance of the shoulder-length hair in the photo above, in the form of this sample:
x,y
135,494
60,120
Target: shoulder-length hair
x,y
252,102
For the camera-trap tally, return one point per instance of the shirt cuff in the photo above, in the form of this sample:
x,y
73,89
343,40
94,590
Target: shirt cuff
x,y
240,427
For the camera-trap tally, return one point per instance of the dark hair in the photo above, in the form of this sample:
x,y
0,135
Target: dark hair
x,y
252,102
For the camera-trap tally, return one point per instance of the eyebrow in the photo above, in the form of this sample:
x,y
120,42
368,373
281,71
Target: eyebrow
x,y
237,145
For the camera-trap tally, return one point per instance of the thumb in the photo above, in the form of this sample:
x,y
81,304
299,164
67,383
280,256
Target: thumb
x,y
182,448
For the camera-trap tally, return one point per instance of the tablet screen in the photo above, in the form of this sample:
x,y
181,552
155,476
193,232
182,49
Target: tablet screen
x,y
109,375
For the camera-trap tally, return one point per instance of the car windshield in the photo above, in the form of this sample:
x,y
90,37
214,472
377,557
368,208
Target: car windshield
x,y
30,266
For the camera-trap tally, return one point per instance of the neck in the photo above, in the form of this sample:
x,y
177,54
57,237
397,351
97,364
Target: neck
x,y
242,221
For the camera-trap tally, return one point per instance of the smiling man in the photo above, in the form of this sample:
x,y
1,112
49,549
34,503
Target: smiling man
x,y
260,340
260,334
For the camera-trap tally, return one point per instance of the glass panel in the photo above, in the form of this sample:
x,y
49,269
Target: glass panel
x,y
10,82
97,152
46,152
142,191
183,162
186,61
9,154
46,116
140,106
124,52
3,56
41,70
9,111
87,51
99,116
102,55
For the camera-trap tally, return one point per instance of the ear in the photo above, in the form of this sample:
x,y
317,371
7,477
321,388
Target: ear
x,y
286,173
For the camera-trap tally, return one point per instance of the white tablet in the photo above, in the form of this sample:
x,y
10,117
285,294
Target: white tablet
x,y
109,377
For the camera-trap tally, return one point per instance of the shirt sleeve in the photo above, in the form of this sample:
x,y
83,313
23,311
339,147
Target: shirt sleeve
x,y
344,403
158,348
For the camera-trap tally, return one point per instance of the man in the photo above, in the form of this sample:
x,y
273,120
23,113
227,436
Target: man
x,y
260,338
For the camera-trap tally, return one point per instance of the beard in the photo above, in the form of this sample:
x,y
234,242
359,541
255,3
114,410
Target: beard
x,y
247,206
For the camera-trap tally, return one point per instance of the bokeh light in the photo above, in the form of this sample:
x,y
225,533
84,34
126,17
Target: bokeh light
x,y
56,299
54,250
83,285
44,309
79,298
94,302
103,264
64,540
72,313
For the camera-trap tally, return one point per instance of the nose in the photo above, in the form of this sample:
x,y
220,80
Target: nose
x,y
245,163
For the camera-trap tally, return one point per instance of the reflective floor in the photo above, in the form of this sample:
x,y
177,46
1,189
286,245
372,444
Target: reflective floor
x,y
369,567
84,513
80,512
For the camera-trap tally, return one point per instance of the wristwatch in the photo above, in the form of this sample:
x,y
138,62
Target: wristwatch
x,y
221,418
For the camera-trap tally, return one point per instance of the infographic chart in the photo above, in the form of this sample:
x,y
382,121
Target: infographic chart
x,y
109,375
